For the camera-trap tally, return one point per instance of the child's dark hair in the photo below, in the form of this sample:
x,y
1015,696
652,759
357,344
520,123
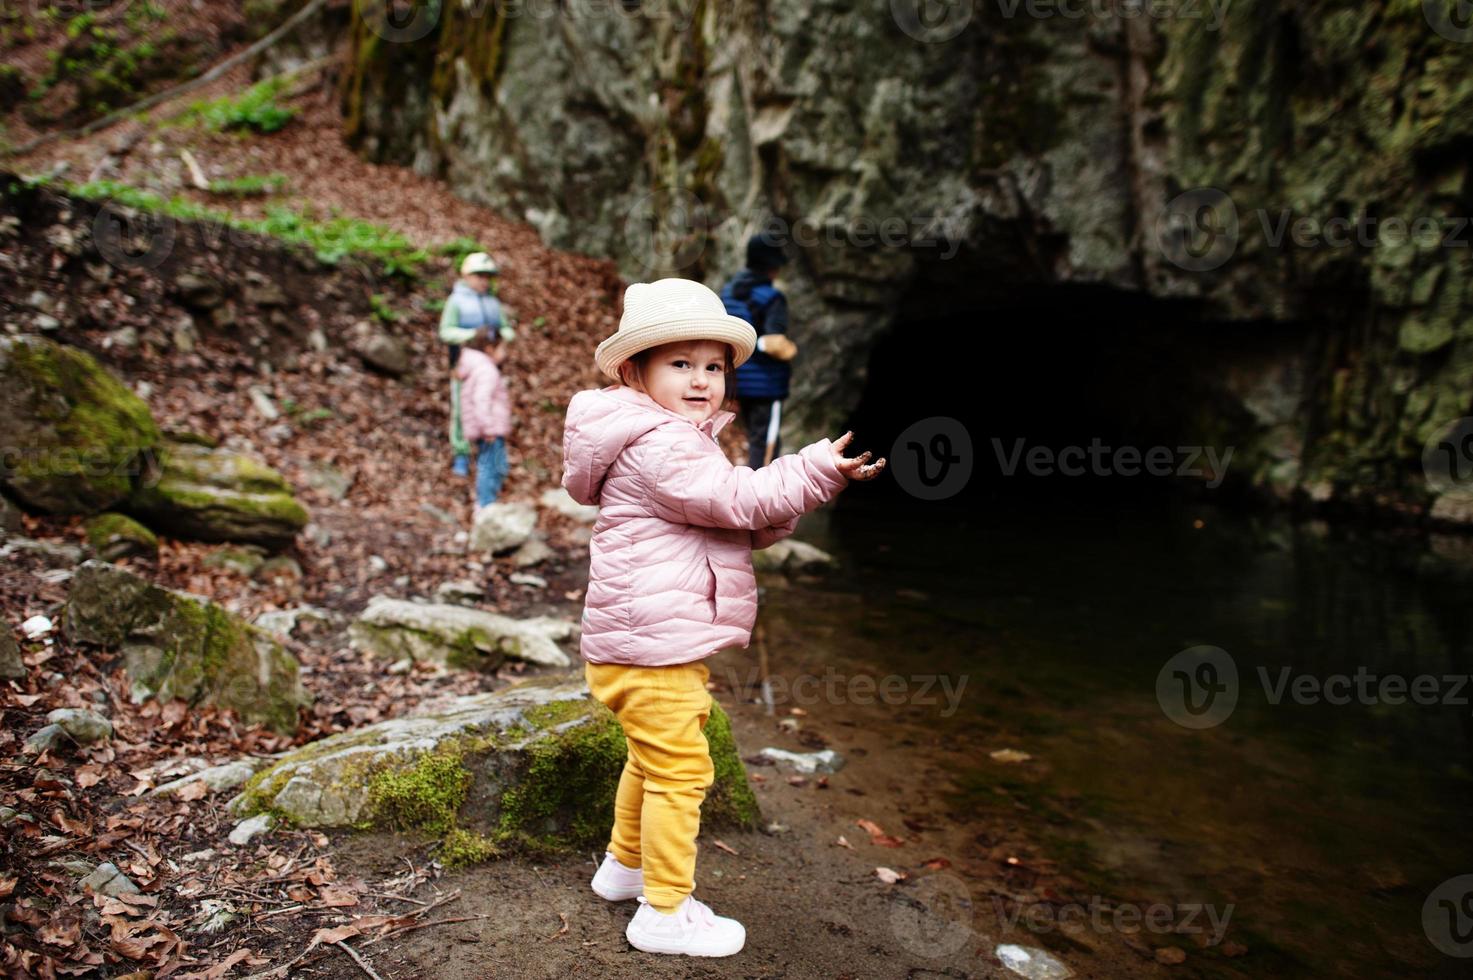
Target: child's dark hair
x,y
639,363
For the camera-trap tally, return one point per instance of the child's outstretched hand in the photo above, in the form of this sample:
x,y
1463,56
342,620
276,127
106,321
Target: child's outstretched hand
x,y
858,468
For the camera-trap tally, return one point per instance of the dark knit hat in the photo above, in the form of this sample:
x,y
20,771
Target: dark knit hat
x,y
765,252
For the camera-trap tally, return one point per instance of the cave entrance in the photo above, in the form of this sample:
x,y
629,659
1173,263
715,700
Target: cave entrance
x,y
1047,383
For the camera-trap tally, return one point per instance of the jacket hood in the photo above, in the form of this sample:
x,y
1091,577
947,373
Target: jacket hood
x,y
602,422
468,362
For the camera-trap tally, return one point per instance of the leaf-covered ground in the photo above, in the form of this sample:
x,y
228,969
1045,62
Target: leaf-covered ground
x,y
833,891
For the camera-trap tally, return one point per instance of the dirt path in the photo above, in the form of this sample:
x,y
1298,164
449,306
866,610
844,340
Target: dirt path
x,y
812,907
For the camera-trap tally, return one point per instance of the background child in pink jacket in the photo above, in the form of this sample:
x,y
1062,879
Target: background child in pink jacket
x,y
485,415
670,579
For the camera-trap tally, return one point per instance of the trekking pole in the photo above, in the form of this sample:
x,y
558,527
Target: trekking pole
x,y
761,634
772,423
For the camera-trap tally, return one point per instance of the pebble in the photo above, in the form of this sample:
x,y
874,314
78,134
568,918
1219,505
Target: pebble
x,y
82,724
249,828
36,627
806,762
108,880
461,590
45,739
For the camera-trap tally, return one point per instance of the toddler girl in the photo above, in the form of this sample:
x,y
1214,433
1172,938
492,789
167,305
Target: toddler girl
x,y
485,414
671,582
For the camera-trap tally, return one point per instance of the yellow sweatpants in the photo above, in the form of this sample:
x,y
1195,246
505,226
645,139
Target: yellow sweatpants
x,y
657,812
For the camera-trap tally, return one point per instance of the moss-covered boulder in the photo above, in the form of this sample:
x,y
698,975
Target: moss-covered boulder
x,y
457,635
219,495
116,536
181,646
73,439
536,765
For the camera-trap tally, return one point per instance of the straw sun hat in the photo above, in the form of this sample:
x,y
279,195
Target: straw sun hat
x,y
660,312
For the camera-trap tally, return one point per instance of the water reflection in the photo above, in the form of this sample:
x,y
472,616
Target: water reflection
x,y
1326,825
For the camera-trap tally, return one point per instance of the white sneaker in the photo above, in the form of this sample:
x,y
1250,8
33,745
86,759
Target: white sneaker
x,y
616,882
693,929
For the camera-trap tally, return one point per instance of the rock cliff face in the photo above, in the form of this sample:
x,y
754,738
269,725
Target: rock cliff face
x,y
1265,162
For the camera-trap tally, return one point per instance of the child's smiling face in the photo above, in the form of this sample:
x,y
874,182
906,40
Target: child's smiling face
x,y
687,376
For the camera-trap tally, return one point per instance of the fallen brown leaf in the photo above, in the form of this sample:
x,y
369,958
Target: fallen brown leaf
x,y
330,936
193,791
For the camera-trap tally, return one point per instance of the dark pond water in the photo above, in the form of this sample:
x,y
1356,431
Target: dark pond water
x,y
1323,826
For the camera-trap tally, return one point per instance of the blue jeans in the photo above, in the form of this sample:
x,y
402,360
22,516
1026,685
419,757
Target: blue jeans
x,y
491,469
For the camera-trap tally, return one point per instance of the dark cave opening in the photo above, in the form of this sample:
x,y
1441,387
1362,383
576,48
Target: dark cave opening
x,y
1065,394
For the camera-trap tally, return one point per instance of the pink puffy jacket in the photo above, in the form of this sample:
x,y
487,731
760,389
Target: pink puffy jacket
x,y
485,406
670,579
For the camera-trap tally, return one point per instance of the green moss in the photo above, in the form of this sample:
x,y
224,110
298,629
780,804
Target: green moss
x,y
573,775
473,649
731,800
570,781
111,533
426,796
187,438
259,792
554,713
273,507
94,428
240,560
463,847
465,35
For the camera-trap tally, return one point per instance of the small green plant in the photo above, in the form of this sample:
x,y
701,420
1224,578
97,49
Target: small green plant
x,y
337,238
382,310
459,248
331,241
251,185
313,416
80,23
254,109
139,15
